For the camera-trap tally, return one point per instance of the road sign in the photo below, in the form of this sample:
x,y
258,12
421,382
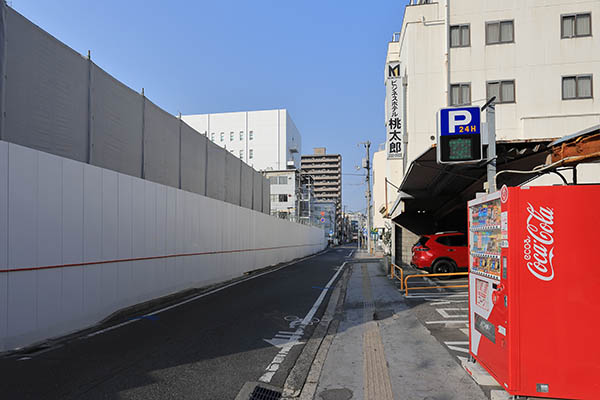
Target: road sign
x,y
459,135
322,219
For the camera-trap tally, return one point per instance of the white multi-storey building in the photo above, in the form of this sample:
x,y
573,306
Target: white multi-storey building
x,y
265,140
539,58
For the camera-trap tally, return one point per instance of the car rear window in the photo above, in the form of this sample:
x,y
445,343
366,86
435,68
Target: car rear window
x,y
422,241
454,240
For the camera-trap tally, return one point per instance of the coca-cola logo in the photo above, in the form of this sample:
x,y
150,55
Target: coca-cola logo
x,y
538,247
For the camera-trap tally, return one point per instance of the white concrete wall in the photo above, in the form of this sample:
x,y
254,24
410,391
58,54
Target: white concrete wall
x,y
55,211
379,175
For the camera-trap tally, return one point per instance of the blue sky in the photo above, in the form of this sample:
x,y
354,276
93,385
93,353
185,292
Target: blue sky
x,y
322,60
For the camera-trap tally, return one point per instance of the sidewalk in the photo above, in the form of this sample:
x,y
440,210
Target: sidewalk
x,y
381,351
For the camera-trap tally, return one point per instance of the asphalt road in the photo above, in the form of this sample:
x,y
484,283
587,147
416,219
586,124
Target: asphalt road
x,y
205,349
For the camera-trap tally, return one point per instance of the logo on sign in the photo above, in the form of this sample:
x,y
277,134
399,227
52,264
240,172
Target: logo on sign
x,y
504,194
538,247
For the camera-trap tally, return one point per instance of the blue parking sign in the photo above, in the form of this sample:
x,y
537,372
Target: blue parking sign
x,y
459,135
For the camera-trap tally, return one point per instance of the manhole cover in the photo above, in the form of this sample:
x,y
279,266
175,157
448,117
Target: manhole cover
x,y
260,393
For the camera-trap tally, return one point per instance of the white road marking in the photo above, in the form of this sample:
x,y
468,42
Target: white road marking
x,y
447,322
436,296
444,312
195,298
288,344
458,343
350,255
441,303
461,349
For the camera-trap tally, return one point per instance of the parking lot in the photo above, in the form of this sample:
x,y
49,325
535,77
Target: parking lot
x,y
444,311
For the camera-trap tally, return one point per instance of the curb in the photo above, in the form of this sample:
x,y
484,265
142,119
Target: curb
x,y
303,378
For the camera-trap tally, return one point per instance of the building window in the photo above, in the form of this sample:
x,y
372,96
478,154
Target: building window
x,y
222,136
242,154
460,94
212,136
460,35
283,180
250,135
274,198
273,180
241,135
499,32
231,136
576,25
251,154
577,87
283,198
503,90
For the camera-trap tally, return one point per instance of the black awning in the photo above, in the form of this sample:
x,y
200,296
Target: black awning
x,y
441,192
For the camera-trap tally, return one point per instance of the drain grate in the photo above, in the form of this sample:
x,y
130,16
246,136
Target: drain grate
x,y
260,393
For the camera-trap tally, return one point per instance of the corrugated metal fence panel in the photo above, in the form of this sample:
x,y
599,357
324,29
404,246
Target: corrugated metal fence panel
x,y
257,191
2,60
233,170
46,91
215,185
116,125
161,146
193,160
247,173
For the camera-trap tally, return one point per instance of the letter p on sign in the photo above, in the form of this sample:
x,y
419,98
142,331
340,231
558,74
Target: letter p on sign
x,y
458,118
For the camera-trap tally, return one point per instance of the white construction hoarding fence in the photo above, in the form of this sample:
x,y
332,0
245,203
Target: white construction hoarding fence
x,y
79,242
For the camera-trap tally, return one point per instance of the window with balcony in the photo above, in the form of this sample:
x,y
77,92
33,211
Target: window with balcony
x,y
241,135
242,154
503,90
576,25
460,35
250,135
251,154
231,136
577,87
498,32
222,136
460,94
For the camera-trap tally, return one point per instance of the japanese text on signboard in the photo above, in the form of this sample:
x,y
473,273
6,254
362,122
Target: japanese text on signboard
x,y
394,112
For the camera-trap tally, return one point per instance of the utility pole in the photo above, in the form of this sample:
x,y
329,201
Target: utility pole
x,y
367,166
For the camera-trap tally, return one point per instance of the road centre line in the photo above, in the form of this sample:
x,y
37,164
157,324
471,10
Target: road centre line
x,y
196,297
274,365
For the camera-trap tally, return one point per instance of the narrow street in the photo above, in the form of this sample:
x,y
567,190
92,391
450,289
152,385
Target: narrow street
x,y
203,349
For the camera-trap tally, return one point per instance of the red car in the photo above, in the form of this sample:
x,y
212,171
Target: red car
x,y
440,253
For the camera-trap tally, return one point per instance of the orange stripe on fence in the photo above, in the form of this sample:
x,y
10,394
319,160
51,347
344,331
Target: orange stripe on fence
x,y
151,258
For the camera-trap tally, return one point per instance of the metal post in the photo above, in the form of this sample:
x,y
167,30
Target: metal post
x,y
491,153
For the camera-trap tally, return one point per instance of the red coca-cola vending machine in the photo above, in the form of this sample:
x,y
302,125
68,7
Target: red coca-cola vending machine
x,y
534,289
